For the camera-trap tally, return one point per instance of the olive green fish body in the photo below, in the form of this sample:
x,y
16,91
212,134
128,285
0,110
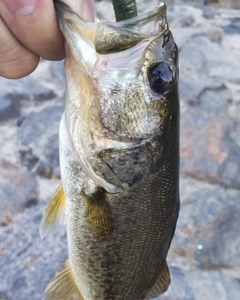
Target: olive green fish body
x,y
125,262
119,157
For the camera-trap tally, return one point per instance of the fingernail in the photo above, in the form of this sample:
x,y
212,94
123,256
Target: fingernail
x,y
21,7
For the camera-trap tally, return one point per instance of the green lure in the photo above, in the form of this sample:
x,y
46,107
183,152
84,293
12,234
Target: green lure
x,y
124,9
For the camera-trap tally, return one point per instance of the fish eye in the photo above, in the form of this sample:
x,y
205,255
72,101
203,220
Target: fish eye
x,y
160,77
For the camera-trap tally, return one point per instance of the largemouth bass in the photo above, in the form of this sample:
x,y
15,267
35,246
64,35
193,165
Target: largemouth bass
x,y
119,158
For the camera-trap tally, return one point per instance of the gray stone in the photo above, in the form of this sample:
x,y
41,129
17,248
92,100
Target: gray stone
x,y
210,13
208,224
230,4
36,90
38,135
207,151
201,285
28,159
215,100
44,170
38,126
18,190
215,34
232,28
27,263
8,108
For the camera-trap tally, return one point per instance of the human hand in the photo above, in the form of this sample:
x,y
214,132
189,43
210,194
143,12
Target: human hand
x,y
29,30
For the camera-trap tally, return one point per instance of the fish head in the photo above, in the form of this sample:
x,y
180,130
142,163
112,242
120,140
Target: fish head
x,y
122,80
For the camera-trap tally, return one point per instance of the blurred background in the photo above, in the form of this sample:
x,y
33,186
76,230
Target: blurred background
x,y
230,4
204,258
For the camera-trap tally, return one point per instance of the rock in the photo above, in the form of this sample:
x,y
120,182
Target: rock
x,y
204,254
208,225
232,28
206,125
215,34
183,20
210,13
20,121
55,74
200,285
230,4
38,126
36,91
28,159
44,170
18,190
211,2
8,108
52,153
38,137
27,263
207,150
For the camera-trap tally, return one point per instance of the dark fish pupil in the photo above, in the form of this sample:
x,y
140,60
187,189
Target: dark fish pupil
x,y
160,77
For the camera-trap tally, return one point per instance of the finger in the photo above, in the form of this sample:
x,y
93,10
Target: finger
x,y
87,10
84,8
34,24
15,60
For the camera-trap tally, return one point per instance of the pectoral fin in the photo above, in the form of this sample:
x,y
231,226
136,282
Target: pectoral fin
x,y
63,286
98,214
161,285
54,213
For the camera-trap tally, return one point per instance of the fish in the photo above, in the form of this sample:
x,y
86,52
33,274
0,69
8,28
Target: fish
x,y
119,158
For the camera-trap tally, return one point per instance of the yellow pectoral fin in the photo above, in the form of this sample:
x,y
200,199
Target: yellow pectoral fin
x,y
54,213
63,286
98,214
161,285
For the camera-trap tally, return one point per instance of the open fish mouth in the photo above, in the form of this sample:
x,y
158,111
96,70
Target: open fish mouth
x,y
110,37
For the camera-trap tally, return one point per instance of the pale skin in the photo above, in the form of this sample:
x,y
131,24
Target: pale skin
x,y
29,31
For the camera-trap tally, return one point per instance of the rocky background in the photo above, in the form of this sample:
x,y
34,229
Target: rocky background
x,y
204,257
